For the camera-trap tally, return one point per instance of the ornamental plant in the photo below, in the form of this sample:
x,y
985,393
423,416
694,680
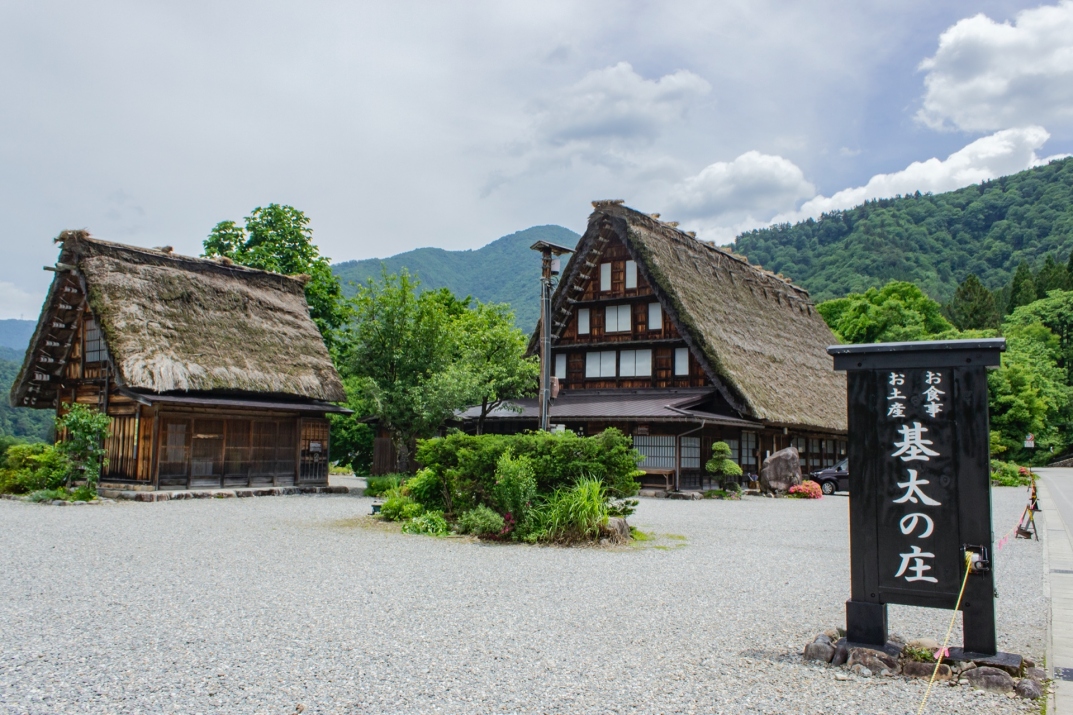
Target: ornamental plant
x,y
85,429
721,465
807,489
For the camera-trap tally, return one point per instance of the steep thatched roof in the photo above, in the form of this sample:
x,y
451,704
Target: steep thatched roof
x,y
175,323
758,336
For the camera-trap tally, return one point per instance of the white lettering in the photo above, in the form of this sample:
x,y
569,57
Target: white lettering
x,y
912,490
918,568
912,447
909,522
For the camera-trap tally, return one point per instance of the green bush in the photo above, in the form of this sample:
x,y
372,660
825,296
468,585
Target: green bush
x,y
432,523
1008,474
426,489
515,487
577,513
481,521
399,506
466,464
41,495
378,486
31,467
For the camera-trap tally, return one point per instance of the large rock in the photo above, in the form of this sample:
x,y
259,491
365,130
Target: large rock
x,y
924,670
618,530
876,661
990,679
818,650
781,471
1028,689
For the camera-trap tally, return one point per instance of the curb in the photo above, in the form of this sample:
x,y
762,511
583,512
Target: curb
x,y
1057,550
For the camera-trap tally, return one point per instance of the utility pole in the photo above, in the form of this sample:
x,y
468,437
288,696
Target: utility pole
x,y
549,269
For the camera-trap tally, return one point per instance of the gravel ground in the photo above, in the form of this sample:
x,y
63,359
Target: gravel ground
x,y
259,605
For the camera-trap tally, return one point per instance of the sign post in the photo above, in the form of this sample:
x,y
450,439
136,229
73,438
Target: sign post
x,y
920,485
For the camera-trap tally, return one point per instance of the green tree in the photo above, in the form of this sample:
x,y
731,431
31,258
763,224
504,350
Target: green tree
x,y
1056,312
721,465
1022,288
1052,276
898,312
399,356
278,238
492,351
973,306
84,430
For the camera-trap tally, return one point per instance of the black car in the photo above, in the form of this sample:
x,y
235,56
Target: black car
x,y
833,479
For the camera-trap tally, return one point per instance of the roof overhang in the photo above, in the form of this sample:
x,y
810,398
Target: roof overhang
x,y
238,403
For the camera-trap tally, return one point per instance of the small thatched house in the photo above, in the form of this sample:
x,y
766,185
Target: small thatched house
x,y
214,374
680,344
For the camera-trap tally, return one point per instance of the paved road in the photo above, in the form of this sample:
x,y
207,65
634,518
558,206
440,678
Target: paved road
x,y
1056,500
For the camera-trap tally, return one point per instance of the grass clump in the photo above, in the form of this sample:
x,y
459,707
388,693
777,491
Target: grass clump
x,y
378,486
481,521
577,513
920,655
432,523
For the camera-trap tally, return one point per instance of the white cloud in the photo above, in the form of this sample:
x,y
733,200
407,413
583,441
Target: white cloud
x,y
999,154
17,303
986,75
617,104
753,184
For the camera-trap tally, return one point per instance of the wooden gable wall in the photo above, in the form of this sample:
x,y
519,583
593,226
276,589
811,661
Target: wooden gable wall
x,y
663,341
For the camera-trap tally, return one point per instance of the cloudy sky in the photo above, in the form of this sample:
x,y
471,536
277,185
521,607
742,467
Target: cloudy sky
x,y
398,125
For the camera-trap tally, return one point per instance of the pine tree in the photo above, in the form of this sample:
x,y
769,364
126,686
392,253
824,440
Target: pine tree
x,y
1053,276
1022,288
973,306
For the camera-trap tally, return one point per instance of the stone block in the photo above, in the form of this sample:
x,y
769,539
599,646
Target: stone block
x,y
924,670
991,680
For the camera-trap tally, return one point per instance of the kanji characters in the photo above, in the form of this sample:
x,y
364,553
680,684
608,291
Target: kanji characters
x,y
908,524
897,409
913,446
897,378
918,567
913,492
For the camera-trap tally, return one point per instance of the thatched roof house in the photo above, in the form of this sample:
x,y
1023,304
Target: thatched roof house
x,y
646,308
129,328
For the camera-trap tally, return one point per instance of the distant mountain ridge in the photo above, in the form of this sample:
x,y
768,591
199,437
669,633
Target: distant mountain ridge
x,y
933,240
504,271
16,334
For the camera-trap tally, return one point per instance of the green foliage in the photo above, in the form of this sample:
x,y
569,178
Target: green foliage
x,y
426,488
84,432
30,467
898,312
1052,276
492,351
480,521
920,655
934,241
467,464
278,238
43,495
515,487
1029,392
996,446
973,306
351,442
432,523
1008,474
1022,288
1056,312
721,465
21,422
378,486
480,273
577,513
400,507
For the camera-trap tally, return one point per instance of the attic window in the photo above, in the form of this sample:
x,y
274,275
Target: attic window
x,y
601,364
605,276
631,275
681,361
560,366
583,321
617,319
96,350
655,316
635,363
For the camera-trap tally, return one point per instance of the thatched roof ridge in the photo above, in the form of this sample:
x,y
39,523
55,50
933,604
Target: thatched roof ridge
x,y
758,336
181,324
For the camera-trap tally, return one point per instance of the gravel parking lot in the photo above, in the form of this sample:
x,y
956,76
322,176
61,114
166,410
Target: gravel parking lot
x,y
259,605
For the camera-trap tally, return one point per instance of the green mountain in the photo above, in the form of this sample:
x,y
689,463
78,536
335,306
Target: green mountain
x,y
934,241
504,271
16,334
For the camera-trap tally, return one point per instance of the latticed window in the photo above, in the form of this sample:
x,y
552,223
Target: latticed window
x,y
658,450
96,350
690,452
748,451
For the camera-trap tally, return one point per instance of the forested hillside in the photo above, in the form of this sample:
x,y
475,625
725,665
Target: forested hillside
x,y
934,241
504,271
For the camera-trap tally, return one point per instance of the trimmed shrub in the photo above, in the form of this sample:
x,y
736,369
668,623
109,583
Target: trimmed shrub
x,y
1008,474
431,522
807,489
426,489
32,467
399,507
481,521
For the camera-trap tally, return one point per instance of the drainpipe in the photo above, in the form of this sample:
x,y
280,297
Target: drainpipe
x,y
678,456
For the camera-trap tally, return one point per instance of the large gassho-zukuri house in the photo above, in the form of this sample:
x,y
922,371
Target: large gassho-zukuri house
x,y
214,374
680,343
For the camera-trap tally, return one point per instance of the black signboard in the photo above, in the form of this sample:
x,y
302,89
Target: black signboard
x,y
920,493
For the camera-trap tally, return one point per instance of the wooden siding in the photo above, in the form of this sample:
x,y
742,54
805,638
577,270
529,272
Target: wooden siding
x,y
662,341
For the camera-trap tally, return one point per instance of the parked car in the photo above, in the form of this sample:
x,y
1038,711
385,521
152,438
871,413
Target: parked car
x,y
833,479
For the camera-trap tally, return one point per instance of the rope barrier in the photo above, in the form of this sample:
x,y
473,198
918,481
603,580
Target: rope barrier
x,y
946,641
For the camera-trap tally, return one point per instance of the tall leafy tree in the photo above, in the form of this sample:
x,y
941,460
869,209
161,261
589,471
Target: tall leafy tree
x,y
492,351
1022,288
973,306
278,238
1055,312
1052,276
898,312
399,356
